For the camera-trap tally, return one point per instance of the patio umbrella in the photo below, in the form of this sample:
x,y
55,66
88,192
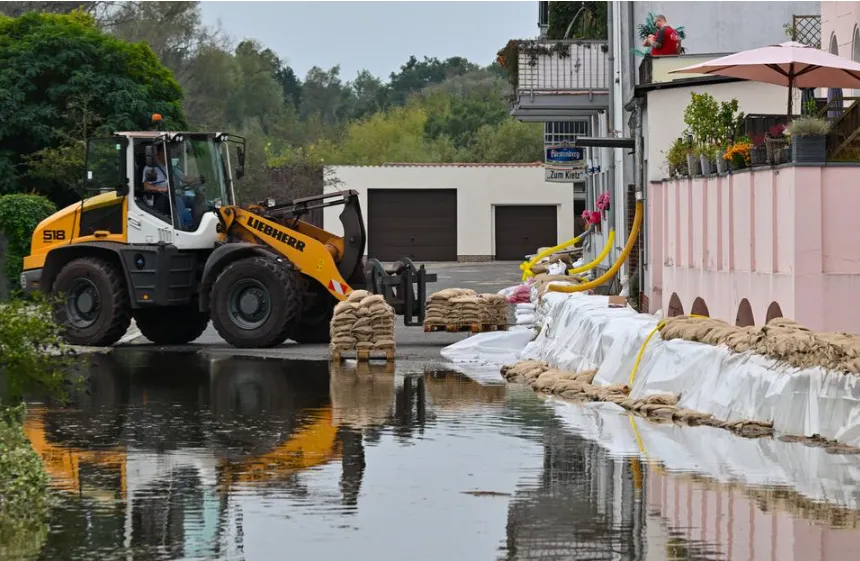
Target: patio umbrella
x,y
790,64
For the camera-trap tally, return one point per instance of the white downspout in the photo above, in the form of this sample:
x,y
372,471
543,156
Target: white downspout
x,y
619,197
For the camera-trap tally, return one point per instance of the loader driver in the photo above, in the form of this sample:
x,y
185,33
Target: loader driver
x,y
155,183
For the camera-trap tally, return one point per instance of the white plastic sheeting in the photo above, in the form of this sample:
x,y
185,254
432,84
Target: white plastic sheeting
x,y
717,453
581,332
495,348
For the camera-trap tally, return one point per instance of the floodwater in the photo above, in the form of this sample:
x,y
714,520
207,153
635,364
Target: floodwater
x,y
182,456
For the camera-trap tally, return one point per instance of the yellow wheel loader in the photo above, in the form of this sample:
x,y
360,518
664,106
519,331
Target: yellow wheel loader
x,y
165,242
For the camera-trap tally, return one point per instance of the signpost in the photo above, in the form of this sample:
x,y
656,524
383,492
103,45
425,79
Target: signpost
x,y
561,155
563,174
564,163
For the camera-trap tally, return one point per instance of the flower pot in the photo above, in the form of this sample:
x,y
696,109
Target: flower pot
x,y
809,149
694,165
706,165
722,164
758,155
775,152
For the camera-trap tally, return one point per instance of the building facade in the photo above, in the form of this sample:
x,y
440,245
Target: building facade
x,y
563,80
455,212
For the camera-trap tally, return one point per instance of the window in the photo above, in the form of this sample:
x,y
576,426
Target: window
x,y
556,132
105,164
834,45
543,14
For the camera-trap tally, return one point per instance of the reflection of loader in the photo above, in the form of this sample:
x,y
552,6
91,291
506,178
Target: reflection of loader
x,y
173,259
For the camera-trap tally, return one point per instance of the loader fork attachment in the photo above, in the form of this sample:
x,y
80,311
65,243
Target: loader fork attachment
x,y
404,287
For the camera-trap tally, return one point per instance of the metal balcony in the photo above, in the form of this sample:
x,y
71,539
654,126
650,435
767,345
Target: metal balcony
x,y
561,79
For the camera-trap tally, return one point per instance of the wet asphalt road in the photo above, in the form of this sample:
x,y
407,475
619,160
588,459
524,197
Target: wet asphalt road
x,y
412,342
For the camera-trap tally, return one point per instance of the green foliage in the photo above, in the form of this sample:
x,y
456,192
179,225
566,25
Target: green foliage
x,y
19,216
95,86
511,141
589,23
701,118
60,74
24,503
676,157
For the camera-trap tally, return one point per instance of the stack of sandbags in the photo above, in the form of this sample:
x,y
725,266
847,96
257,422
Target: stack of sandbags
x,y
542,283
439,306
460,306
525,315
781,339
497,309
363,322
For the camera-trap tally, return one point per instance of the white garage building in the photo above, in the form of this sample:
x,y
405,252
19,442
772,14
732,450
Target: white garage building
x,y
456,212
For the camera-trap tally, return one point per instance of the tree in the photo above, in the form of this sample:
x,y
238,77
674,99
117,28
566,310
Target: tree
x,y
464,116
396,135
324,94
511,141
415,76
41,86
589,20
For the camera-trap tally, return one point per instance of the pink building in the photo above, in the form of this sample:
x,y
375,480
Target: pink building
x,y
769,241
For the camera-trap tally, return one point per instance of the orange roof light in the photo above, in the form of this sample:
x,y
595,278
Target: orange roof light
x,y
156,117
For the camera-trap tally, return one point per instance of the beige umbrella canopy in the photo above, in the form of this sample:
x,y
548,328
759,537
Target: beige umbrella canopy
x,y
790,64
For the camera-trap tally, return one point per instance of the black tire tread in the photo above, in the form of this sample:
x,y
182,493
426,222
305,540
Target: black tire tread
x,y
176,325
287,279
121,319
315,326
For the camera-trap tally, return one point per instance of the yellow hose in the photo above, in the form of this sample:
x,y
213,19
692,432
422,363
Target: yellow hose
x,y
526,266
597,260
631,241
645,344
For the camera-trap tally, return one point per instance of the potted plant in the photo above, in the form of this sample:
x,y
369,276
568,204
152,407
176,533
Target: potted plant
x,y
603,202
808,140
676,158
721,162
774,143
708,154
592,218
738,155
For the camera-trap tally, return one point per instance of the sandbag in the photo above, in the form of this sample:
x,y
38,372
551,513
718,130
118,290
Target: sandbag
x,y
363,322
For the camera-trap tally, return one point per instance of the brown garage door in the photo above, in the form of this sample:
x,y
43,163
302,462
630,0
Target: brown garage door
x,y
520,230
417,223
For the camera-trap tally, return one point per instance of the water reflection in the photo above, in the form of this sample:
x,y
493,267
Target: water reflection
x,y
180,456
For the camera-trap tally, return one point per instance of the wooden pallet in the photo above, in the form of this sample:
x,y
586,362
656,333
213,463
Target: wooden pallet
x,y
458,327
363,355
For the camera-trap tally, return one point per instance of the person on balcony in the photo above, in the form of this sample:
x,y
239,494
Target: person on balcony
x,y
666,41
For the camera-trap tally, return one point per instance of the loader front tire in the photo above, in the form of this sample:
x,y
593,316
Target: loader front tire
x,y
92,303
314,327
256,302
176,325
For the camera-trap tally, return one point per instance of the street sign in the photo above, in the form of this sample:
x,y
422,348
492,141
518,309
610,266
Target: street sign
x,y
564,174
561,155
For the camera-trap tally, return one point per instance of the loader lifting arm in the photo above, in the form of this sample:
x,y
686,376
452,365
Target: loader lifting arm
x,y
332,265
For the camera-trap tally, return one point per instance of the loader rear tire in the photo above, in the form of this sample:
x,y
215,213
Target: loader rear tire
x,y
256,302
93,306
176,325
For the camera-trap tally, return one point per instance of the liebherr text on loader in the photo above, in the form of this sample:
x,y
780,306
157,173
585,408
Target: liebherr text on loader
x,y
165,242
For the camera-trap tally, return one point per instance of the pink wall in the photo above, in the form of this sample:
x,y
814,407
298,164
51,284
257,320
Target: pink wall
x,y
740,529
789,235
839,19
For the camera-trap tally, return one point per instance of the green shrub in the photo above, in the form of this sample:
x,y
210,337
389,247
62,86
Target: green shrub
x,y
19,216
24,502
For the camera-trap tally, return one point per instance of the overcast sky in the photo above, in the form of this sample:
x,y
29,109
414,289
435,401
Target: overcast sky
x,y
378,36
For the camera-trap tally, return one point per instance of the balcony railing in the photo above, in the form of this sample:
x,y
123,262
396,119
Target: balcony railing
x,y
654,70
563,66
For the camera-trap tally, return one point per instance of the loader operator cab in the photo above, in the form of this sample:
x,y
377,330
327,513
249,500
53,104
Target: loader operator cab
x,y
178,178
